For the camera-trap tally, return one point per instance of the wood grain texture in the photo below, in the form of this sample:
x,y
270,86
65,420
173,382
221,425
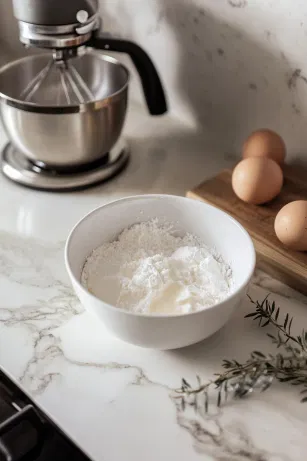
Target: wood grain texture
x,y
287,266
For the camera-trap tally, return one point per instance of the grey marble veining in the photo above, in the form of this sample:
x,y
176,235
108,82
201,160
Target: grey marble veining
x,y
114,399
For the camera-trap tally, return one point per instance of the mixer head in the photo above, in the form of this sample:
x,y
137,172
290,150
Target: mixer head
x,y
63,26
56,24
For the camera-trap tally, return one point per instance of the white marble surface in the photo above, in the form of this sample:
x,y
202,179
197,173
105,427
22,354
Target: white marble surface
x,y
112,398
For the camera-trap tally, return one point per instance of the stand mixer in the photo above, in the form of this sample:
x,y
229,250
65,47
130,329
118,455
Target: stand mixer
x,y
64,110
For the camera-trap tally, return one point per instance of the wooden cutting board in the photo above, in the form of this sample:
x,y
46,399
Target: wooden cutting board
x,y
285,265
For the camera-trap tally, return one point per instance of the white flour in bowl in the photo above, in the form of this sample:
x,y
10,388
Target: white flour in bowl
x,y
150,270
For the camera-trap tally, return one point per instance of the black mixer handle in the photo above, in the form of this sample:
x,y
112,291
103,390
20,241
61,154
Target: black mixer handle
x,y
152,86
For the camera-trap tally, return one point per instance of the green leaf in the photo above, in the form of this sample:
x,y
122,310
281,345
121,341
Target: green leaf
x,y
259,324
266,386
206,401
277,314
271,336
185,383
304,399
226,390
279,339
263,302
241,393
289,327
258,316
195,403
286,321
236,372
219,398
259,354
219,381
266,323
286,379
250,298
251,314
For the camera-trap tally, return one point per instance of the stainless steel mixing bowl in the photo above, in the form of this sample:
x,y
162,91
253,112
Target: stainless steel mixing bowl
x,y
57,133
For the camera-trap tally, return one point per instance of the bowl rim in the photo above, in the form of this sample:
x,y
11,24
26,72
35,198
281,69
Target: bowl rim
x,y
231,296
96,104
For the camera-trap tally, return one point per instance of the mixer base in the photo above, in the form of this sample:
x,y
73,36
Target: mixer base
x,y
19,169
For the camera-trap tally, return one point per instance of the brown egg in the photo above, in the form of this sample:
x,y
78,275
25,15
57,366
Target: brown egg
x,y
291,225
265,143
257,180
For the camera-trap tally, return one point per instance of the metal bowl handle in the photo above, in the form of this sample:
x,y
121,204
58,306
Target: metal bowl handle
x,y
152,86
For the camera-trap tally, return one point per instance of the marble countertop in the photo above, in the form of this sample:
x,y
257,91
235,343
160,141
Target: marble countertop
x,y
112,398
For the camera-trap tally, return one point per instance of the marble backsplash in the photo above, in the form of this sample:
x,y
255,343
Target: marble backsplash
x,y
229,66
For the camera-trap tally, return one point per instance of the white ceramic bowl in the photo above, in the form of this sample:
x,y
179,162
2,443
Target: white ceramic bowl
x,y
214,227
